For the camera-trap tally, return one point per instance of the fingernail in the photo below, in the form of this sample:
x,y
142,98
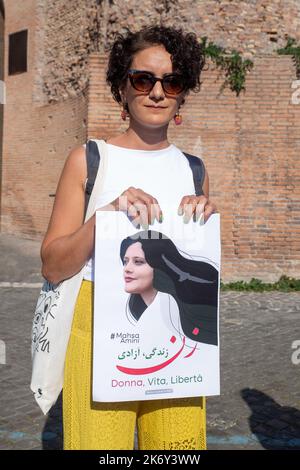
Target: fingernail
x,y
201,221
179,212
161,218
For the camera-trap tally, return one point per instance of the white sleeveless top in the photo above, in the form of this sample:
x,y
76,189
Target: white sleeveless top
x,y
163,311
164,174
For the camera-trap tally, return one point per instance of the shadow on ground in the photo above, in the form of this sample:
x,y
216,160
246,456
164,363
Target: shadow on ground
x,y
52,435
275,426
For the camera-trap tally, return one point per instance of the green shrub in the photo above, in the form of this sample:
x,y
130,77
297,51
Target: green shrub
x,y
284,284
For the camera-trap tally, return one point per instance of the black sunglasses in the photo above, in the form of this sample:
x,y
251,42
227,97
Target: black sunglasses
x,y
172,83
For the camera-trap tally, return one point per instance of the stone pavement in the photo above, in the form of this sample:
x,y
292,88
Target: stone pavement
x,y
259,406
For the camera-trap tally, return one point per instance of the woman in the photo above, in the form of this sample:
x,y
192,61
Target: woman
x,y
138,277
153,264
140,161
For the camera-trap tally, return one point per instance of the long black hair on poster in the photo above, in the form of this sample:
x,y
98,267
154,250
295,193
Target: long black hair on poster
x,y
193,284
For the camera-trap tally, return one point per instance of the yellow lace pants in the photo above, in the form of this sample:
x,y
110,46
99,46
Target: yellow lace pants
x,y
161,424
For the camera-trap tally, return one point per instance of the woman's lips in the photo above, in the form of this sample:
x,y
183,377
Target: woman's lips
x,y
129,279
156,107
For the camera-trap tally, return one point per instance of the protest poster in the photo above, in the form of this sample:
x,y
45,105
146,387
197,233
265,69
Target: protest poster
x,y
156,308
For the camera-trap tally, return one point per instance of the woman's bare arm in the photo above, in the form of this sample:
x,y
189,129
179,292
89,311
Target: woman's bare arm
x,y
68,243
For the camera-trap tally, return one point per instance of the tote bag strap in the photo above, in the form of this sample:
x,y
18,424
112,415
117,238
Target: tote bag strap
x,y
99,181
92,162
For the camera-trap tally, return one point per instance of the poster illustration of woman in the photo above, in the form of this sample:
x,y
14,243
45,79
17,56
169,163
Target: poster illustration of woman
x,y
155,313
153,268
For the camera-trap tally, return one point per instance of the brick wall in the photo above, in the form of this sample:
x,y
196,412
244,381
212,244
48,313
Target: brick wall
x,y
1,44
37,136
250,146
1,88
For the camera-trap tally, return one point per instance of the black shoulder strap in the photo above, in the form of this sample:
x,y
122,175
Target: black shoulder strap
x,y
93,160
198,170
92,163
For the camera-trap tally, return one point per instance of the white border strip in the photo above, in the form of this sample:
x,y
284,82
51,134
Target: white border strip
x,y
23,285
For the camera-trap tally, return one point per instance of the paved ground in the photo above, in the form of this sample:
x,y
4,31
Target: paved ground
x,y
259,407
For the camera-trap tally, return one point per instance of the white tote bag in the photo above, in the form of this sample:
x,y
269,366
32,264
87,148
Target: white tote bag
x,y
53,319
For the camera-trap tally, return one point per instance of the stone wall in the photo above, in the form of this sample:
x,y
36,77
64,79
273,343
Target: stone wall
x,y
37,135
74,28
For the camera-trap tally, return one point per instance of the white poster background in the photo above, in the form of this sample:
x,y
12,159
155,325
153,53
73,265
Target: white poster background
x,y
120,345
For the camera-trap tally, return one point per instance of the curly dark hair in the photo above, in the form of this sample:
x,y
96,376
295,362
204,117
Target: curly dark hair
x,y
187,55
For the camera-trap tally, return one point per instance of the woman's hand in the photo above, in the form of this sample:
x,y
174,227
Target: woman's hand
x,y
140,207
198,207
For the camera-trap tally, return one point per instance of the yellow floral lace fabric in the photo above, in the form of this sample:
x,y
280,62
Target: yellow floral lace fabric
x,y
178,423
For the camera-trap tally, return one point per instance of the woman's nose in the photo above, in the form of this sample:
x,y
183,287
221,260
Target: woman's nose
x,y
157,91
128,267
